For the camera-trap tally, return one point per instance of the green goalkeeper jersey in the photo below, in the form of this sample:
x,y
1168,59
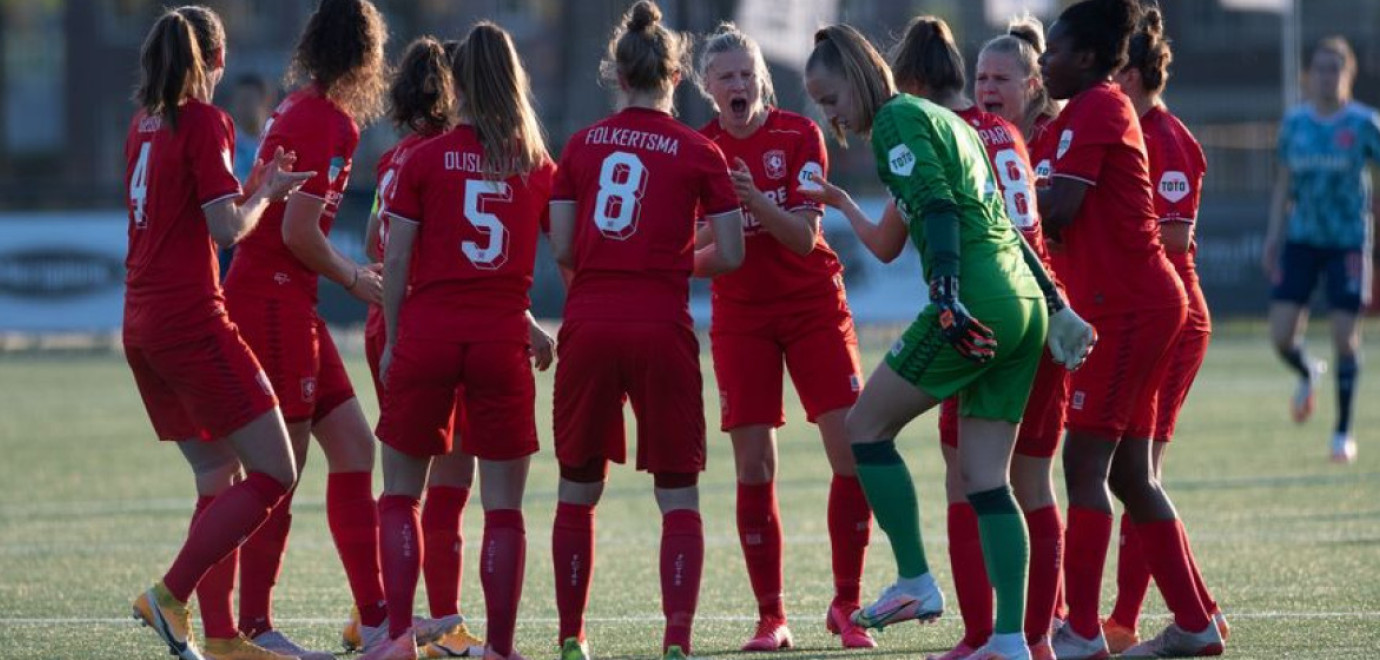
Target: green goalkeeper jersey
x,y
933,162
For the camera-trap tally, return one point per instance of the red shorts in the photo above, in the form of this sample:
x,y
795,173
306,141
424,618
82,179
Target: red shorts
x,y
1043,421
1113,394
205,388
375,337
428,380
656,365
297,351
816,342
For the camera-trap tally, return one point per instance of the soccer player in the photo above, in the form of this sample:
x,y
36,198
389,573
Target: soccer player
x,y
623,212
455,304
1099,211
1320,224
201,385
1008,78
927,63
786,303
271,295
421,103
934,165
1177,166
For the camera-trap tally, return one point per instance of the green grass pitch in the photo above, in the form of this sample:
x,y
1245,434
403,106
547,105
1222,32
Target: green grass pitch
x,y
92,509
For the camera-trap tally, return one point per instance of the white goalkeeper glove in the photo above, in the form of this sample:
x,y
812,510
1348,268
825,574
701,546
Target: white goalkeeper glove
x,y
1070,338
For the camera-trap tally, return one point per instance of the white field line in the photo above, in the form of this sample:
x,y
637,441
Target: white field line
x,y
702,618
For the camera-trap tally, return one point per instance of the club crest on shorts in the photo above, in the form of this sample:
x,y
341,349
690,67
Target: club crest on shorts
x,y
309,389
1078,399
775,163
855,383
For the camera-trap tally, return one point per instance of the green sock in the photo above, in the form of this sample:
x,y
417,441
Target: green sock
x,y
1006,549
886,481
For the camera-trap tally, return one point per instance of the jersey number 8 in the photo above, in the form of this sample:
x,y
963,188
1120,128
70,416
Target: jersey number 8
x,y
622,181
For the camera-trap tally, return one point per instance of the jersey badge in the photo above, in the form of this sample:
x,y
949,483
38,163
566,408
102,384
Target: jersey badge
x,y
337,165
1065,141
1173,186
775,162
901,160
803,179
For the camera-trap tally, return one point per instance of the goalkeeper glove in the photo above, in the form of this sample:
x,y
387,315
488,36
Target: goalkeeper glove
x,y
1070,338
967,335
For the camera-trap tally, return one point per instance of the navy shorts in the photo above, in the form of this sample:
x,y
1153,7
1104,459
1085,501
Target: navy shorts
x,y
1347,274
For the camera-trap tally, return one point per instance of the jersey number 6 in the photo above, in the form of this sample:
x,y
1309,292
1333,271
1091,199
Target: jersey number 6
x,y
622,180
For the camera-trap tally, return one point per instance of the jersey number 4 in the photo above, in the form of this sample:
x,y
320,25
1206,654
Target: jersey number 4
x,y
493,255
622,181
139,186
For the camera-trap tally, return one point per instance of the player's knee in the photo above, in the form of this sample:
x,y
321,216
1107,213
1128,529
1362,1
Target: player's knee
x,y
676,480
593,471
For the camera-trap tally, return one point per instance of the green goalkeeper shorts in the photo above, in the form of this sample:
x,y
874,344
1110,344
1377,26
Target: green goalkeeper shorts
x,y
997,389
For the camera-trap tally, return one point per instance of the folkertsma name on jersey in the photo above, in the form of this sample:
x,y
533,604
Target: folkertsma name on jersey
x,y
626,137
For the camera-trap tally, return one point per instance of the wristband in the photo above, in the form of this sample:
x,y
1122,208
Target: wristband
x,y
353,282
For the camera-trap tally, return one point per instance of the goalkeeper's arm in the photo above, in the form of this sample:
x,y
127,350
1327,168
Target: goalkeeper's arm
x,y
1054,302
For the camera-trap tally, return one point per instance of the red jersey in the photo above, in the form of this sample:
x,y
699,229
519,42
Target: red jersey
x,y
1177,166
781,155
385,174
639,180
324,138
1015,178
1112,259
476,241
171,272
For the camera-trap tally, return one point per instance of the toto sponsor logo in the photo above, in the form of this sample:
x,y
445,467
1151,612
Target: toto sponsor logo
x,y
57,273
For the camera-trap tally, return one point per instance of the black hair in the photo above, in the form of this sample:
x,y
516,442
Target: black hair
x,y
1103,27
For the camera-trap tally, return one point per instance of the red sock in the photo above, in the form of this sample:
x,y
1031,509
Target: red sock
x,y
1088,534
759,533
214,594
400,551
1046,565
572,553
971,585
501,563
682,562
354,520
261,563
1162,542
1132,576
850,530
1203,594
444,556
234,515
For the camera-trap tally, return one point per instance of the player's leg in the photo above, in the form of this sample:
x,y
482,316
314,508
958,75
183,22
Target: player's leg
x,y
1032,480
216,469
971,586
212,387
1157,527
892,397
1299,269
348,443
284,338
501,430
1348,288
588,422
665,389
447,492
748,365
989,410
821,351
414,427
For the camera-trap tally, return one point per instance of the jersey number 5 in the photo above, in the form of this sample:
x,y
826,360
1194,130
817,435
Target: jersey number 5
x,y
622,180
139,186
495,254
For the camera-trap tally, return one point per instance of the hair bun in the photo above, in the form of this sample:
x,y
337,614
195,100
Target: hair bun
x,y
1152,22
644,15
1030,30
